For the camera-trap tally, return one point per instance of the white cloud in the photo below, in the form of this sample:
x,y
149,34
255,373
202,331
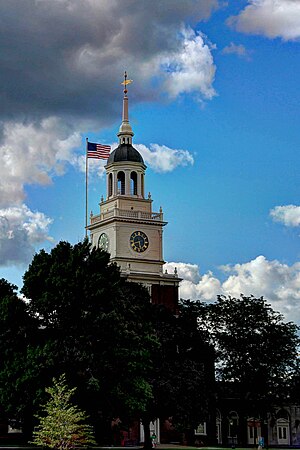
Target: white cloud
x,y
95,166
289,215
195,286
164,159
237,49
33,154
184,66
189,272
159,158
271,18
20,231
190,69
278,283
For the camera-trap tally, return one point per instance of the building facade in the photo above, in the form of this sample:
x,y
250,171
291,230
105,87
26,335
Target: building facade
x,y
279,428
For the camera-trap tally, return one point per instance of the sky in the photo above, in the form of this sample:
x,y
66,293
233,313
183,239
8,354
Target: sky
x,y
215,108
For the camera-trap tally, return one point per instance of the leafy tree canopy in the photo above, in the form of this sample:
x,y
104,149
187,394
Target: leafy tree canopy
x,y
256,350
19,363
14,319
92,325
182,376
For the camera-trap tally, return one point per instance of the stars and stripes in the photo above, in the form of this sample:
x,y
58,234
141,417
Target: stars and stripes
x,y
98,151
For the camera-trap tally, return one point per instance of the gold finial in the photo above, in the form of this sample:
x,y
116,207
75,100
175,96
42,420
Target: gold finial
x,y
125,82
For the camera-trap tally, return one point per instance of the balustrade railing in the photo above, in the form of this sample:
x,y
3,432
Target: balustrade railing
x,y
117,212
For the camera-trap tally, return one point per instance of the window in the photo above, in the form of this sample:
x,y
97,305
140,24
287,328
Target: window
x,y
254,429
201,429
218,426
233,422
283,431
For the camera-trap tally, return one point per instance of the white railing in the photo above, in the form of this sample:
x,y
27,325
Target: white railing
x,y
117,212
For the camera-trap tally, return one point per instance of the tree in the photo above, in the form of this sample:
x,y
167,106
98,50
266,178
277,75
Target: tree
x,y
96,329
63,425
128,357
182,376
13,314
257,352
17,353
255,347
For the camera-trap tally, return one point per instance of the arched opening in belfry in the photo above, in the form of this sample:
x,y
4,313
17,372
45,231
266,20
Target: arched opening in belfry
x,y
133,183
110,185
121,183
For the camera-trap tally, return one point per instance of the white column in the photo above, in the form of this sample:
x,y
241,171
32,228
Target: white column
x,y
107,185
143,184
114,184
127,182
160,234
139,184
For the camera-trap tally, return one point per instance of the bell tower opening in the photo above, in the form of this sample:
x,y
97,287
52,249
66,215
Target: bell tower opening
x,y
121,182
133,183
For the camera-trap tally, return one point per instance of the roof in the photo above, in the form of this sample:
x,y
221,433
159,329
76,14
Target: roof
x,y
125,152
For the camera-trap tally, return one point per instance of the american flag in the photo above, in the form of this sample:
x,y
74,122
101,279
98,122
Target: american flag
x,y
98,151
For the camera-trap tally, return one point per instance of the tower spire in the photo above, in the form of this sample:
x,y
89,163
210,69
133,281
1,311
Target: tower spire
x,y
125,132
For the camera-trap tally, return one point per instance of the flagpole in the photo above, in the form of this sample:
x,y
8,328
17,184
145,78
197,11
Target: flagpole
x,y
86,187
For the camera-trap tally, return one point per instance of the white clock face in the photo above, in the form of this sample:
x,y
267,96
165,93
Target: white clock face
x,y
103,242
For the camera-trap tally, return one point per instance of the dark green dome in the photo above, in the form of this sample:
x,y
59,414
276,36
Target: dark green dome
x,y
125,152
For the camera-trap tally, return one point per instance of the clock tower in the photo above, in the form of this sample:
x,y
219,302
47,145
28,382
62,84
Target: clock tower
x,y
126,227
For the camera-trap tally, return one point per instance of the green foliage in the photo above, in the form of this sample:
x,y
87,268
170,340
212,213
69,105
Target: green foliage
x,y
182,376
19,357
95,326
62,426
14,319
128,357
257,352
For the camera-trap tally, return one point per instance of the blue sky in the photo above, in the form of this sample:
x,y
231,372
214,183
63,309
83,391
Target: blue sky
x,y
215,111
